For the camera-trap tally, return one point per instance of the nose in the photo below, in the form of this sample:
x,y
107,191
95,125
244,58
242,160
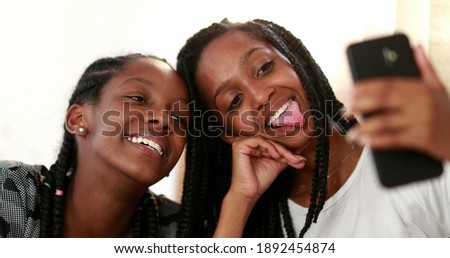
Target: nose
x,y
159,121
261,96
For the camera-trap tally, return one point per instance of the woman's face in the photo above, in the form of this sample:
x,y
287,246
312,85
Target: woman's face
x,y
255,90
138,125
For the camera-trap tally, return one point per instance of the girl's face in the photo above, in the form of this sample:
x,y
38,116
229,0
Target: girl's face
x,y
138,125
254,90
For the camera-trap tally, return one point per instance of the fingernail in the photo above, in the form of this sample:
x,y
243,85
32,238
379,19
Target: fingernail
x,y
300,157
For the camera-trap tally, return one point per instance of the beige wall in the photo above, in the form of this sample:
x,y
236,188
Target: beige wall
x,y
439,40
428,22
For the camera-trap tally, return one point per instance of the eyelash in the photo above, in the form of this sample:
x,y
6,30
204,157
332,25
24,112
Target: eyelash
x,y
175,117
265,68
178,118
234,105
137,98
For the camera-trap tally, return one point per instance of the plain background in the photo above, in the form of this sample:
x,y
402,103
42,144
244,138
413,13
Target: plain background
x,y
45,46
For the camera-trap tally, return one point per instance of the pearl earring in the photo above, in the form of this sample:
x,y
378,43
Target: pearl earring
x,y
81,129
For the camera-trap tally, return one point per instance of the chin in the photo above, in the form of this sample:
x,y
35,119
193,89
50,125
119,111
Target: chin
x,y
146,174
149,179
294,143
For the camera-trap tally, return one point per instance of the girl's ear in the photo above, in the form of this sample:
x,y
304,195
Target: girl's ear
x,y
75,120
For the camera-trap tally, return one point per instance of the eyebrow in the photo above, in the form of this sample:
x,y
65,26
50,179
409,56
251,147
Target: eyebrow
x,y
139,79
243,60
146,82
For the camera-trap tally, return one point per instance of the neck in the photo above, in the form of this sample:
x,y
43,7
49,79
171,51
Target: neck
x,y
343,157
98,205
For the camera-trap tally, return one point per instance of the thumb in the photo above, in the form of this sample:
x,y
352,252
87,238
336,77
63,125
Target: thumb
x,y
426,69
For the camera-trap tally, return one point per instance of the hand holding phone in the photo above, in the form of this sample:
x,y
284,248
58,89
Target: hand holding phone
x,y
384,57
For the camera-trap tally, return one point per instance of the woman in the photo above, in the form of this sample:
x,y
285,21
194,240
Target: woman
x,y
264,101
124,131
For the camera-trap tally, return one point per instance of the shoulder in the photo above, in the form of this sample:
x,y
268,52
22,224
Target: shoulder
x,y
432,195
19,172
19,191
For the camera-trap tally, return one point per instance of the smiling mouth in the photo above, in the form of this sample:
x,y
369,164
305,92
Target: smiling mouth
x,y
278,113
146,142
287,115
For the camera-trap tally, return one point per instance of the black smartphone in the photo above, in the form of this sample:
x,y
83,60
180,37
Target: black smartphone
x,y
392,56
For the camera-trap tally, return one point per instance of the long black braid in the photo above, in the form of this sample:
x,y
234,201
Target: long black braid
x,y
208,159
56,179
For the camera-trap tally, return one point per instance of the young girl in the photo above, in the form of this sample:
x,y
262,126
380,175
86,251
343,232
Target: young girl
x,y
124,131
274,156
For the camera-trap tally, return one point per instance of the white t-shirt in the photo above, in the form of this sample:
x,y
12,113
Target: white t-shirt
x,y
362,207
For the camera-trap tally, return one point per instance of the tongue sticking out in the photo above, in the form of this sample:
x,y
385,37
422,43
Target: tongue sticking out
x,y
290,117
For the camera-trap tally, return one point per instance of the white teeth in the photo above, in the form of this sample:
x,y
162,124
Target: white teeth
x,y
279,112
151,144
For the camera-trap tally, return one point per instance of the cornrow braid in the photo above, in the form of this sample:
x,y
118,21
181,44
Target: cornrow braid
x,y
265,219
287,220
46,203
56,179
66,160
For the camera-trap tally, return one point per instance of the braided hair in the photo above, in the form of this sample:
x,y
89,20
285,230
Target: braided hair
x,y
56,179
204,189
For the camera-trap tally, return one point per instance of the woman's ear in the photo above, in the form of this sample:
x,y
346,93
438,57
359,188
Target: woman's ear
x,y
75,120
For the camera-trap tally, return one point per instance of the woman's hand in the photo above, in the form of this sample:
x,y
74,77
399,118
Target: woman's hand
x,y
256,164
407,113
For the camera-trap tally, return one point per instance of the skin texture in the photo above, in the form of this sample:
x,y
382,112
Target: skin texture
x,y
112,172
254,77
